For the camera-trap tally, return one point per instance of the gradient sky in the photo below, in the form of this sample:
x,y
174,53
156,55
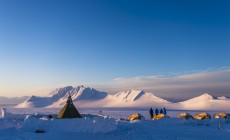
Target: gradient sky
x,y
45,44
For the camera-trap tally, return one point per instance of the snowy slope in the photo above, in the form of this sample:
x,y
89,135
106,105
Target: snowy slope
x,y
206,102
60,93
58,97
35,101
82,96
138,98
12,100
99,127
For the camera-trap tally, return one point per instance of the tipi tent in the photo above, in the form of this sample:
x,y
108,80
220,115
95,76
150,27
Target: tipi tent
x,y
69,110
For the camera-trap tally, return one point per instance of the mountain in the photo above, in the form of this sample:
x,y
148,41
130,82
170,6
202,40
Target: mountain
x,y
12,100
81,96
138,98
60,93
90,97
58,97
206,102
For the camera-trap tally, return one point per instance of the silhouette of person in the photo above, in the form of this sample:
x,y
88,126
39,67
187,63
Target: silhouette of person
x,y
161,111
151,112
164,111
156,111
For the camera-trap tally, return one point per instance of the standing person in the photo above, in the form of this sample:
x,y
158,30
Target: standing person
x,y
161,111
164,111
151,112
156,111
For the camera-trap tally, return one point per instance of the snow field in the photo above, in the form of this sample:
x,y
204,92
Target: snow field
x,y
23,127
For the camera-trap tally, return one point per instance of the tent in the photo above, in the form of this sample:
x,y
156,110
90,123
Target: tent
x,y
160,116
136,116
186,116
222,115
69,110
202,116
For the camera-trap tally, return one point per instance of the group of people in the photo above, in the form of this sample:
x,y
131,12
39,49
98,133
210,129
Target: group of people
x,y
157,111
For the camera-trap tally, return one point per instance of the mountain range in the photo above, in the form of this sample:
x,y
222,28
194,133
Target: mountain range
x,y
90,97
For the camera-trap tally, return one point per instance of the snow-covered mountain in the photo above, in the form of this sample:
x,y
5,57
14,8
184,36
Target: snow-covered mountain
x,y
58,97
138,98
89,97
82,96
206,102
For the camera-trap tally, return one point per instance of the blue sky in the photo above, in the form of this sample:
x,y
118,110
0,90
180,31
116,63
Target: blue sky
x,y
45,44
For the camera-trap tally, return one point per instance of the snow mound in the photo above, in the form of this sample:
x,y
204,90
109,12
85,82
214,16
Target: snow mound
x,y
87,124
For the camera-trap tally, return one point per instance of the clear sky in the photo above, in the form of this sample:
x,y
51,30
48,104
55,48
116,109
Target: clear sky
x,y
45,44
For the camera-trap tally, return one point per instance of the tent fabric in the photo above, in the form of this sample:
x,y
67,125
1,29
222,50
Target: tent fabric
x,y
185,115
69,110
160,116
135,116
222,115
202,116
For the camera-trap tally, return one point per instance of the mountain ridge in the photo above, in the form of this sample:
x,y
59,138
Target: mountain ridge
x,y
90,97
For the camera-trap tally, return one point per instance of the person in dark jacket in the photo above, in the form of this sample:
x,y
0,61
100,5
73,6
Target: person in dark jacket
x,y
161,111
151,112
156,111
164,111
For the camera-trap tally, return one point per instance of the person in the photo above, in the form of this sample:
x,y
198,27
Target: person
x,y
164,111
156,111
151,112
161,111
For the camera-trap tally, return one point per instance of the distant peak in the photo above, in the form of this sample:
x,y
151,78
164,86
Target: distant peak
x,y
66,87
208,95
134,90
81,87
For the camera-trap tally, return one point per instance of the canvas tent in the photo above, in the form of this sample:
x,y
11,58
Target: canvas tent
x,y
222,115
69,110
186,116
202,116
136,116
160,116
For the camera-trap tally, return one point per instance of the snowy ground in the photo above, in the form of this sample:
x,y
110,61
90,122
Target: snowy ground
x,y
20,126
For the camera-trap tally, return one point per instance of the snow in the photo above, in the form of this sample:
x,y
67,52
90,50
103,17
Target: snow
x,y
89,97
205,102
22,124
86,124
135,98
